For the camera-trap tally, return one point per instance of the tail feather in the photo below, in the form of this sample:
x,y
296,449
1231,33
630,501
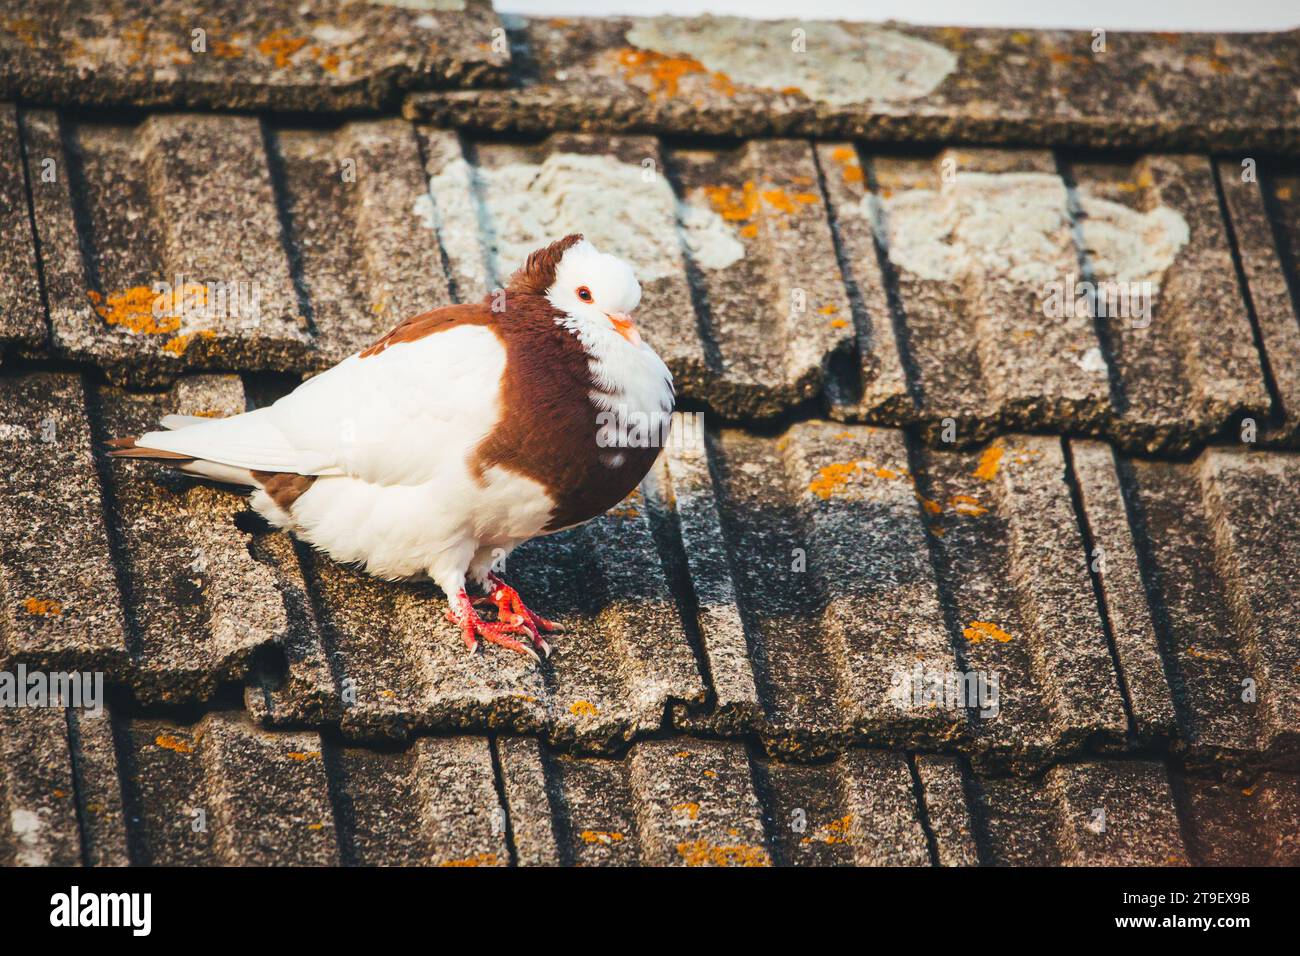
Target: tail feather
x,y
126,447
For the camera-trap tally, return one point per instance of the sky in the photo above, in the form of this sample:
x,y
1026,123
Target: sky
x,y
1211,15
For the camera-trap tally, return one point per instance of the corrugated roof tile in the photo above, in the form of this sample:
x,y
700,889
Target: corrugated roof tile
x,y
268,54
736,77
22,319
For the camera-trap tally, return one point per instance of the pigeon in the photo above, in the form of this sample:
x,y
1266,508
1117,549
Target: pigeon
x,y
462,433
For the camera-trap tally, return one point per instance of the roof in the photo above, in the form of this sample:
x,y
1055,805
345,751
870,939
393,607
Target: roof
x,y
890,461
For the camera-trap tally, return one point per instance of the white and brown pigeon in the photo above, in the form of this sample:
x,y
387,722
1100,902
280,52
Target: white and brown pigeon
x,y
457,436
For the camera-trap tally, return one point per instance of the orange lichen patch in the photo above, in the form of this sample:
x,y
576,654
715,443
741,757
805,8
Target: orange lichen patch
x,y
979,631
837,831
682,754
180,343
604,837
930,505
1249,791
304,755
24,29
691,811
42,607
966,505
225,50
387,693
665,73
829,309
704,853
847,160
328,62
886,473
134,310
482,859
583,708
59,793
789,204
627,508
711,774
734,205
749,231
832,478
990,461
1283,193
316,826
281,47
838,323
1205,656
177,744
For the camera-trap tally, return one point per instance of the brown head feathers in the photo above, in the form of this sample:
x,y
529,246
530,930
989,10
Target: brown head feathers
x,y
538,272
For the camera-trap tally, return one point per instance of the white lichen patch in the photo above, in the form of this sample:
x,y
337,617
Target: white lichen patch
x,y
28,829
1017,226
625,209
432,5
870,64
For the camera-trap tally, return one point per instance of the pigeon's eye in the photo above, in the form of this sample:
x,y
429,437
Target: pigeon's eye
x,y
584,293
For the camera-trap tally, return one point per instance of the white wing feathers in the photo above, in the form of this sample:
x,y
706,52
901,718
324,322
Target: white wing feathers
x,y
390,418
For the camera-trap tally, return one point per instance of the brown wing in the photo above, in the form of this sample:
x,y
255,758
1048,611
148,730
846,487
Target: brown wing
x,y
435,320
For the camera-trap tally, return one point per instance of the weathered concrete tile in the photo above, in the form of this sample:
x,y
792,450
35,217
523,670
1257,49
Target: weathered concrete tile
x,y
527,787
199,605
1216,537
1258,201
1116,814
222,791
358,223
696,805
145,244
881,391
1108,813
38,816
433,804
1256,538
768,286
1118,571
859,809
1181,373
1014,575
99,789
58,579
568,810
972,239
22,315
270,54
735,77
943,787
682,487
296,686
1231,824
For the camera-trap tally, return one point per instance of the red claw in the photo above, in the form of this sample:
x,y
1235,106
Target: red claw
x,y
461,612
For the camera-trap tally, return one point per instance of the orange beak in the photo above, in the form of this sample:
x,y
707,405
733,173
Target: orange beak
x,y
622,323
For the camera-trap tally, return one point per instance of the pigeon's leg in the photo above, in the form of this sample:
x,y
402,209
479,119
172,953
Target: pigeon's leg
x,y
461,612
511,608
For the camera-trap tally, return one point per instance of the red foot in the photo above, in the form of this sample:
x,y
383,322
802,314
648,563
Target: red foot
x,y
514,614
461,612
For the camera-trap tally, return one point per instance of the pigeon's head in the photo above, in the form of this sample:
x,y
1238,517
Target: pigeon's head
x,y
595,290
